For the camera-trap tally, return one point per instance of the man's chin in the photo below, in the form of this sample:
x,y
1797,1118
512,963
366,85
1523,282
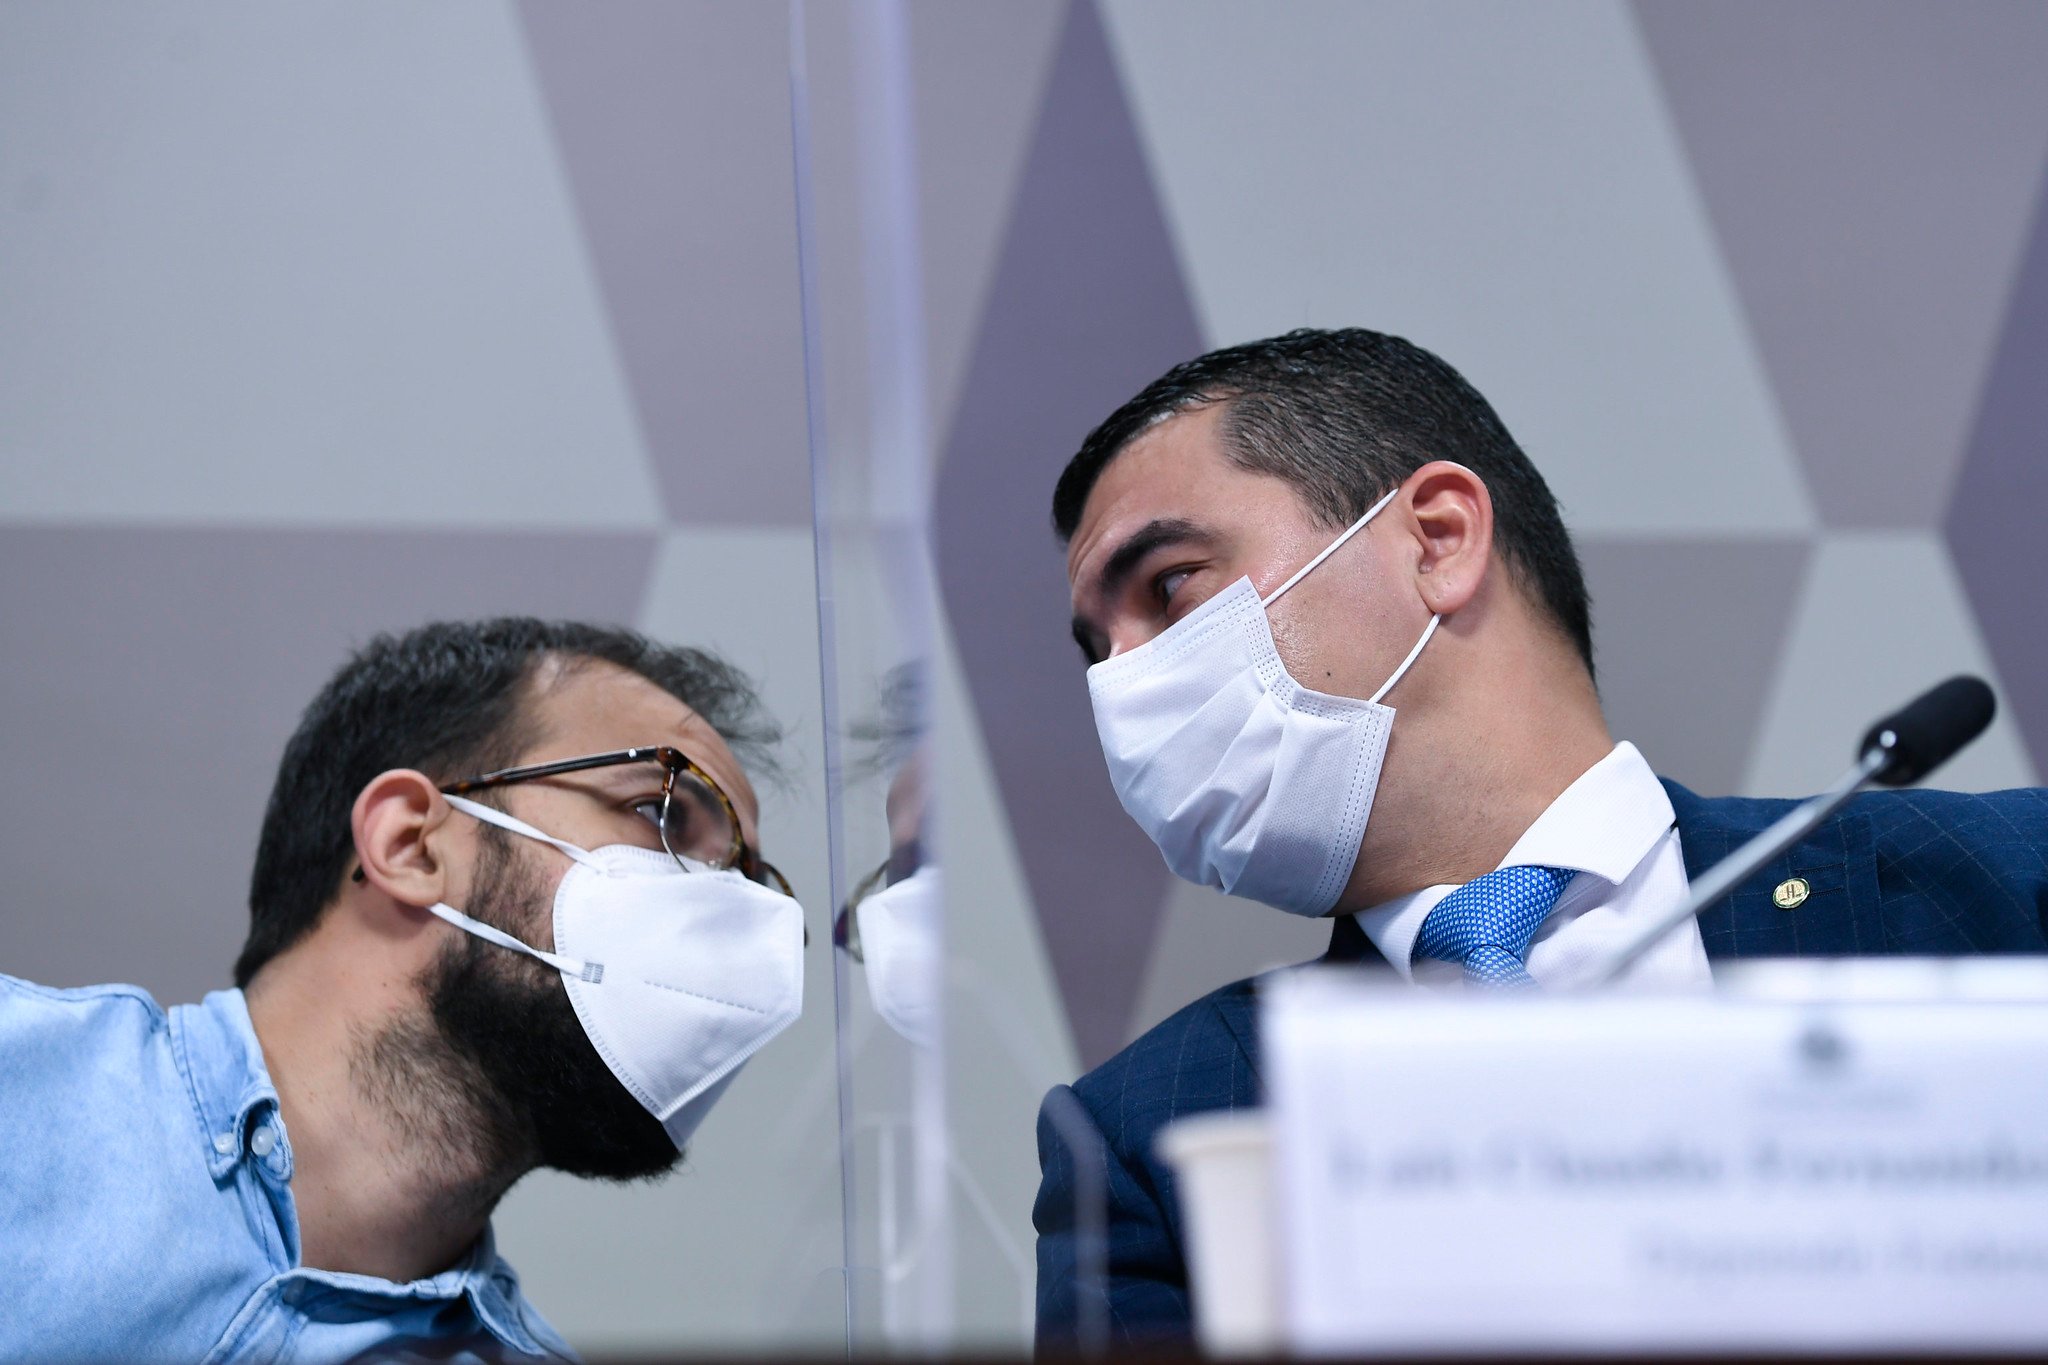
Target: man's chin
x,y
524,1038
613,1146
623,1173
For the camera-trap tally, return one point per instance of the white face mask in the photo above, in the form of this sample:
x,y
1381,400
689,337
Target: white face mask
x,y
677,976
898,928
1248,781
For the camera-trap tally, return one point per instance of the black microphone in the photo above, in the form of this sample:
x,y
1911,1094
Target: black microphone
x,y
1903,747
1922,735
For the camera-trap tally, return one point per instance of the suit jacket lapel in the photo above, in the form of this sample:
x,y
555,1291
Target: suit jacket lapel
x,y
1239,1009
1840,912
1350,944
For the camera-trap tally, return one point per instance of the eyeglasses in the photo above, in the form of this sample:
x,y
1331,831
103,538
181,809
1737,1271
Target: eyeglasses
x,y
903,861
694,817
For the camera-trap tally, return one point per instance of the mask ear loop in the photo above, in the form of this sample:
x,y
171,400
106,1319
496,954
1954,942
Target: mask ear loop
x,y
490,816
583,971
1413,654
1331,548
592,972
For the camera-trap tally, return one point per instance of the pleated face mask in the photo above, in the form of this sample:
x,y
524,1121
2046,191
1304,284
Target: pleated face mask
x,y
1246,780
677,975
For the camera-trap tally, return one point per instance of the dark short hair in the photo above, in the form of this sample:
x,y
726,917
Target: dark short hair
x,y
446,699
1344,417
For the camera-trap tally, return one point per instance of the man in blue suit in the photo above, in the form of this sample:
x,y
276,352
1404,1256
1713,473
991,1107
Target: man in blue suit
x,y
1270,549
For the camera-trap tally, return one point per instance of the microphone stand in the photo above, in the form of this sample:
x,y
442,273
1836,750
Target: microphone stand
x,y
1724,876
1903,747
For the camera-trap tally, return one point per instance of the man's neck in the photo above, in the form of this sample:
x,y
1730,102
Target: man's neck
x,y
395,1169
1463,783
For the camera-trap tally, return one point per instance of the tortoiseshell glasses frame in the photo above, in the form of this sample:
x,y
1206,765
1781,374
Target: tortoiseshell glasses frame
x,y
677,766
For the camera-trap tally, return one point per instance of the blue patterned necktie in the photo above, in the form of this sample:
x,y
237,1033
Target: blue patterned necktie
x,y
1487,923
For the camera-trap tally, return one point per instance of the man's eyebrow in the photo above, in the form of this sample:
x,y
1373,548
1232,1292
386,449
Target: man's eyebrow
x,y
1153,535
1116,571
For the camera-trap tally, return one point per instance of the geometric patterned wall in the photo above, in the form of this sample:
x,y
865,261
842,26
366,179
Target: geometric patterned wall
x,y
325,321
321,322
317,326
1762,289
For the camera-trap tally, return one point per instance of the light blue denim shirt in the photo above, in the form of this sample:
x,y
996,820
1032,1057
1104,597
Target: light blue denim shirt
x,y
146,1205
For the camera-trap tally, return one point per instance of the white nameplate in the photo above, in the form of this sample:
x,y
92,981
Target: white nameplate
x,y
1859,1171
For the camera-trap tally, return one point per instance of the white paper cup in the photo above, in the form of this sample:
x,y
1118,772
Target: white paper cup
x,y
1223,1166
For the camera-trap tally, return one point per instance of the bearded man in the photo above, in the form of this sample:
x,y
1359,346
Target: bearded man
x,y
508,911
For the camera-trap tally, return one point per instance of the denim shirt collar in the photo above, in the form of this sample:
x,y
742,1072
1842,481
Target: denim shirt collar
x,y
216,1048
221,1058
480,1277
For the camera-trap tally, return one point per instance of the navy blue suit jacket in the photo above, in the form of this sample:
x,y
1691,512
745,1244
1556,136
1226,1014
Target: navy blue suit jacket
x,y
1917,872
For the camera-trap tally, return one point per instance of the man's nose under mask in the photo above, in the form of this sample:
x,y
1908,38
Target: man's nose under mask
x,y
678,977
1246,780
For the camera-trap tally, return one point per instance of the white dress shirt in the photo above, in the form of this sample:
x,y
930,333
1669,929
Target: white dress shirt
x,y
1615,828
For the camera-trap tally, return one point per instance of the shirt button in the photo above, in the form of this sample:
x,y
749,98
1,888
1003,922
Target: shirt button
x,y
223,1143
262,1140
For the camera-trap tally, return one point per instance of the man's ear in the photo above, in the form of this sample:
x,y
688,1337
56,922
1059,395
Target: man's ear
x,y
397,820
1453,518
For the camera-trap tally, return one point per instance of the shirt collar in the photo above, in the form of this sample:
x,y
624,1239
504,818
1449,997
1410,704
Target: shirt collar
x,y
481,1277
222,1059
493,1291
216,1048
1604,824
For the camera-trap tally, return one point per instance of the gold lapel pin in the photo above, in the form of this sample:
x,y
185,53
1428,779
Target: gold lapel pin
x,y
1791,893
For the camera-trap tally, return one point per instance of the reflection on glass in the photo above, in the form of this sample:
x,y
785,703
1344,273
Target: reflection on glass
x,y
890,922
